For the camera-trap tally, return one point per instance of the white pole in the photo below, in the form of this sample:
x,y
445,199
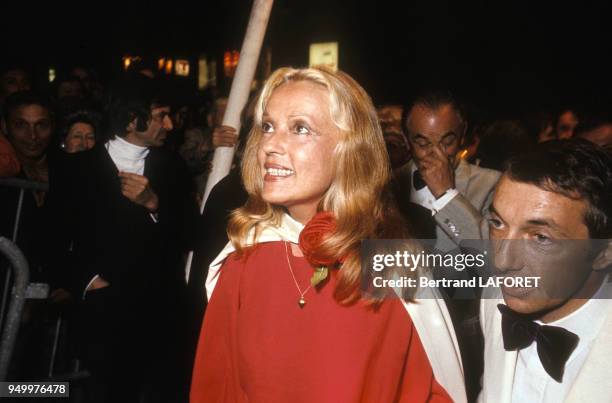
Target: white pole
x,y
239,95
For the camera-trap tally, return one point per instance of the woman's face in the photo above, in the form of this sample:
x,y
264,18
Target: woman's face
x,y
80,137
296,152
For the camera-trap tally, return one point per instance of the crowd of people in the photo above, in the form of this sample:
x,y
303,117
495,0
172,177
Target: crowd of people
x,y
120,170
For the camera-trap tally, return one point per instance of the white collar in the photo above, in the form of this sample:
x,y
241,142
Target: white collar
x,y
289,231
586,321
123,149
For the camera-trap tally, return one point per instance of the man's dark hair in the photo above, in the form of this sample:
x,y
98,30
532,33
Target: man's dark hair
x,y
26,98
433,100
500,141
573,168
132,98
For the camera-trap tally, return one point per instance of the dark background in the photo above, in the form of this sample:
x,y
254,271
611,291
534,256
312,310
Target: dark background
x,y
505,56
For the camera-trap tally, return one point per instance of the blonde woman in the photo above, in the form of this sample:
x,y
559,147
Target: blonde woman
x,y
287,321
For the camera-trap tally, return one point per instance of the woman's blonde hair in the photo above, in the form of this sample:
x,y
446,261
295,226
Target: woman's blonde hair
x,y
357,195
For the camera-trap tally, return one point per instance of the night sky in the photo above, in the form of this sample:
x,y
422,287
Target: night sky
x,y
507,56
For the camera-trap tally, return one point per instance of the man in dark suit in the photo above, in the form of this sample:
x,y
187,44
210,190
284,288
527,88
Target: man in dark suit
x,y
125,211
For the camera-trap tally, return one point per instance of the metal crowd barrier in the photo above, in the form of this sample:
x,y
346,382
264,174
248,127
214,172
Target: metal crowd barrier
x,y
23,185
18,274
18,295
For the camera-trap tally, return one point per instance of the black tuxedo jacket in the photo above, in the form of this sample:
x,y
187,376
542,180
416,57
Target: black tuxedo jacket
x,y
104,233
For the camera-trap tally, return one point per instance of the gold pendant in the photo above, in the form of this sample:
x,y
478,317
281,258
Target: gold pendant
x,y
302,302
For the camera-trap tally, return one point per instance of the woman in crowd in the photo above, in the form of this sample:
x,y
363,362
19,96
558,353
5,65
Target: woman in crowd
x,y
79,131
287,321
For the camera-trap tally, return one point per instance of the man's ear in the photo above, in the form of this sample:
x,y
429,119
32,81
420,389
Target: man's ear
x,y
3,127
603,260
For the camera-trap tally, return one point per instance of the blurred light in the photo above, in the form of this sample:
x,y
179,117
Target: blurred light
x,y
202,72
230,62
169,64
161,62
227,63
51,74
324,54
181,67
126,62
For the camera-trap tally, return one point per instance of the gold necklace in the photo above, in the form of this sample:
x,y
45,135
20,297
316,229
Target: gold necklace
x,y
301,301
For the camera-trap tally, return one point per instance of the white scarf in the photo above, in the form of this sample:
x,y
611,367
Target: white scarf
x,y
127,157
289,231
428,313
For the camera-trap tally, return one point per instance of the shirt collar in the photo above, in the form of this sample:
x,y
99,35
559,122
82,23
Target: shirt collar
x,y
120,147
587,320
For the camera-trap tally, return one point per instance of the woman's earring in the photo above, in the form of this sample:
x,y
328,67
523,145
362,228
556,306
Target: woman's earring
x,y
63,145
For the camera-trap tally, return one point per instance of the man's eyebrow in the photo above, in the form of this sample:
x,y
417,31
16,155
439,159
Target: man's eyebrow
x,y
451,133
534,221
494,211
543,223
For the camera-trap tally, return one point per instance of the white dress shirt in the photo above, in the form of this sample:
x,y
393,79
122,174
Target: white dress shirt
x,y
532,383
425,198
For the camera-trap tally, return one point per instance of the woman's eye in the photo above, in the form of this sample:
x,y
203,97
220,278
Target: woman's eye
x,y
301,129
267,127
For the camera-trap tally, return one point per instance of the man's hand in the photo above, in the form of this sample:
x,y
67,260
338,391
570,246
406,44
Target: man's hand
x,y
136,188
224,136
437,172
98,283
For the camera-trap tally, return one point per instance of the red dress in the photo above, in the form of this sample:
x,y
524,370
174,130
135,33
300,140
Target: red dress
x,y
257,344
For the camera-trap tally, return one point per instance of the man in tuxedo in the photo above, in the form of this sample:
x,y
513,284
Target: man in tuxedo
x,y
125,211
551,218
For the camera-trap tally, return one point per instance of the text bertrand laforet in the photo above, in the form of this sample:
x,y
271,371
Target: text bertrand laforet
x,y
459,262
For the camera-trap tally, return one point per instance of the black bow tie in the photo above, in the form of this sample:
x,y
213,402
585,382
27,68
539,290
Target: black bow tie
x,y
555,344
417,180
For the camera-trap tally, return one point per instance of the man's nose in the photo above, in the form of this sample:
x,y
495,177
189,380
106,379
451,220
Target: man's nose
x,y
80,146
167,123
32,132
508,254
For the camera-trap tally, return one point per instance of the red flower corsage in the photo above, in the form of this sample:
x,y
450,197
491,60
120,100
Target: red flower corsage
x,y
316,230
